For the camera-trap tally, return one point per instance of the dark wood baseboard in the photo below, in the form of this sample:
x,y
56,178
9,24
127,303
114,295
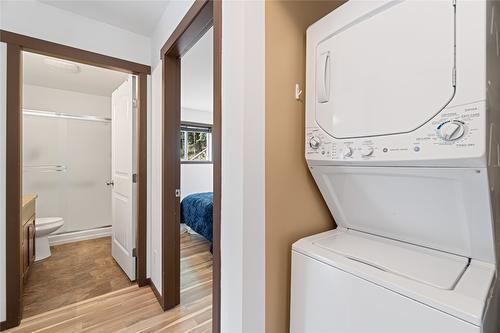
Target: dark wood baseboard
x,y
6,325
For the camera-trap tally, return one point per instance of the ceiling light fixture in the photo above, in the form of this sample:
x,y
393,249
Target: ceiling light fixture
x,y
62,65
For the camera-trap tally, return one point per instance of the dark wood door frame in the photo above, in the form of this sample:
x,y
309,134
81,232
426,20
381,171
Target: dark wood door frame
x,y
202,15
15,45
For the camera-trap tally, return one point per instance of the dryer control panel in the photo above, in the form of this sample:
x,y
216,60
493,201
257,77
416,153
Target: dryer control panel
x,y
456,132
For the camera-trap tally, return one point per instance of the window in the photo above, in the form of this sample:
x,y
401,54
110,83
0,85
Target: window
x,y
196,143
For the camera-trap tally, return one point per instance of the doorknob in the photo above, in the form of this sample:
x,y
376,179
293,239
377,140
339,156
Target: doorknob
x,y
110,183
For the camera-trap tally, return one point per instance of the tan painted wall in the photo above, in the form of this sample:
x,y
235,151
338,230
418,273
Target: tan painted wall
x,y
294,206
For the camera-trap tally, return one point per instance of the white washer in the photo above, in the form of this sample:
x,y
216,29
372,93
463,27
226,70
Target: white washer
x,y
402,110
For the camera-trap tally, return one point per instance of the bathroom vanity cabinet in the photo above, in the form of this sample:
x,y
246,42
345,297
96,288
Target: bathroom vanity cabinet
x,y
27,235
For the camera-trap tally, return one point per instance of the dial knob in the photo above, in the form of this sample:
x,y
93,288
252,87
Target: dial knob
x,y
451,130
314,142
366,151
347,152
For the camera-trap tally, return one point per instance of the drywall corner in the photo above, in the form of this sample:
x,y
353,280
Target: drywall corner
x,y
243,189
149,179
156,178
171,17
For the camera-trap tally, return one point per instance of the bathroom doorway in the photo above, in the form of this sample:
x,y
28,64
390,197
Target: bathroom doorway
x,y
69,180
79,158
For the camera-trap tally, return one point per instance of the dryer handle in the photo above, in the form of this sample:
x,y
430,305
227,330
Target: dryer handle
x,y
323,77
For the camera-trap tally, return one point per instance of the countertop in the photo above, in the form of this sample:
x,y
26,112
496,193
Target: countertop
x,y
28,198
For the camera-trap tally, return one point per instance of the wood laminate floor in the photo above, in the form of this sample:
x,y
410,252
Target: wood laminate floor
x,y
133,309
74,272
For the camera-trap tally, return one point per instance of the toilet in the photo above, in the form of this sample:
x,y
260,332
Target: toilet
x,y
44,226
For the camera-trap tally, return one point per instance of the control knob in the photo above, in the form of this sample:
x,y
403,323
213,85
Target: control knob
x,y
366,151
451,130
347,152
314,142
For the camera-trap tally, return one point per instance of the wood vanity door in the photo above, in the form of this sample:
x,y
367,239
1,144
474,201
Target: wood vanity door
x,y
25,250
28,246
31,242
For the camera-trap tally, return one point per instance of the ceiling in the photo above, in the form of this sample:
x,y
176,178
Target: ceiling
x,y
197,75
140,17
88,79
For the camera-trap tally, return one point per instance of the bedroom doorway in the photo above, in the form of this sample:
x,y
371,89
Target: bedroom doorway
x,y
196,173
192,161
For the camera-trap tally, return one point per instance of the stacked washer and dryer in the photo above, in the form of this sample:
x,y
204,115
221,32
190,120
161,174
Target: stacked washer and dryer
x,y
402,139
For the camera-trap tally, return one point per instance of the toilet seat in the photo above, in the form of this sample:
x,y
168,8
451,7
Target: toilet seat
x,y
46,223
47,220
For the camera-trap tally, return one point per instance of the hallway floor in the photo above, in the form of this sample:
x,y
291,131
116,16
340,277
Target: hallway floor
x,y
75,272
133,309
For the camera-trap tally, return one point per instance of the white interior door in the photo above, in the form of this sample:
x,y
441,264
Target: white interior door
x,y
123,192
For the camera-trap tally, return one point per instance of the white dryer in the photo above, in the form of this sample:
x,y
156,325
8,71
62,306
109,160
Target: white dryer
x,y
402,110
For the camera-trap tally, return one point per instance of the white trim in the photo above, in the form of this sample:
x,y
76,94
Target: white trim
x,y
76,236
243,167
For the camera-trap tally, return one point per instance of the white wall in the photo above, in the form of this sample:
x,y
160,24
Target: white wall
x,y
243,168
66,101
243,263
173,14
156,179
197,116
38,20
196,178
171,17
78,195
149,184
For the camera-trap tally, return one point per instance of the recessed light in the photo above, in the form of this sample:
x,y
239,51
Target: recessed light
x,y
62,65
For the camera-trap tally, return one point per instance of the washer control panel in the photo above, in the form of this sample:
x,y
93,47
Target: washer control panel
x,y
456,132
451,130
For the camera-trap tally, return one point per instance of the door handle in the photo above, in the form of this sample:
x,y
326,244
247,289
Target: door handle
x,y
323,77
110,183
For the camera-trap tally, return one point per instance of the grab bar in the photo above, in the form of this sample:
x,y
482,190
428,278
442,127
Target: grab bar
x,y
46,168
32,112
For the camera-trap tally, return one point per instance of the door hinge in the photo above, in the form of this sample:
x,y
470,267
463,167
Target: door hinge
x,y
134,103
134,178
454,77
177,193
134,252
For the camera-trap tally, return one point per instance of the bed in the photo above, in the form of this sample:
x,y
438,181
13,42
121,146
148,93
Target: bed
x,y
197,213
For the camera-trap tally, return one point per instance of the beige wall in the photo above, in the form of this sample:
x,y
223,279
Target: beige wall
x,y
294,206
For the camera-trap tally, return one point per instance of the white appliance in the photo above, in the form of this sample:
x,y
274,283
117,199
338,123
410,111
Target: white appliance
x,y
402,112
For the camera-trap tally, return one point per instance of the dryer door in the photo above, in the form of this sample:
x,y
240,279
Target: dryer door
x,y
387,72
